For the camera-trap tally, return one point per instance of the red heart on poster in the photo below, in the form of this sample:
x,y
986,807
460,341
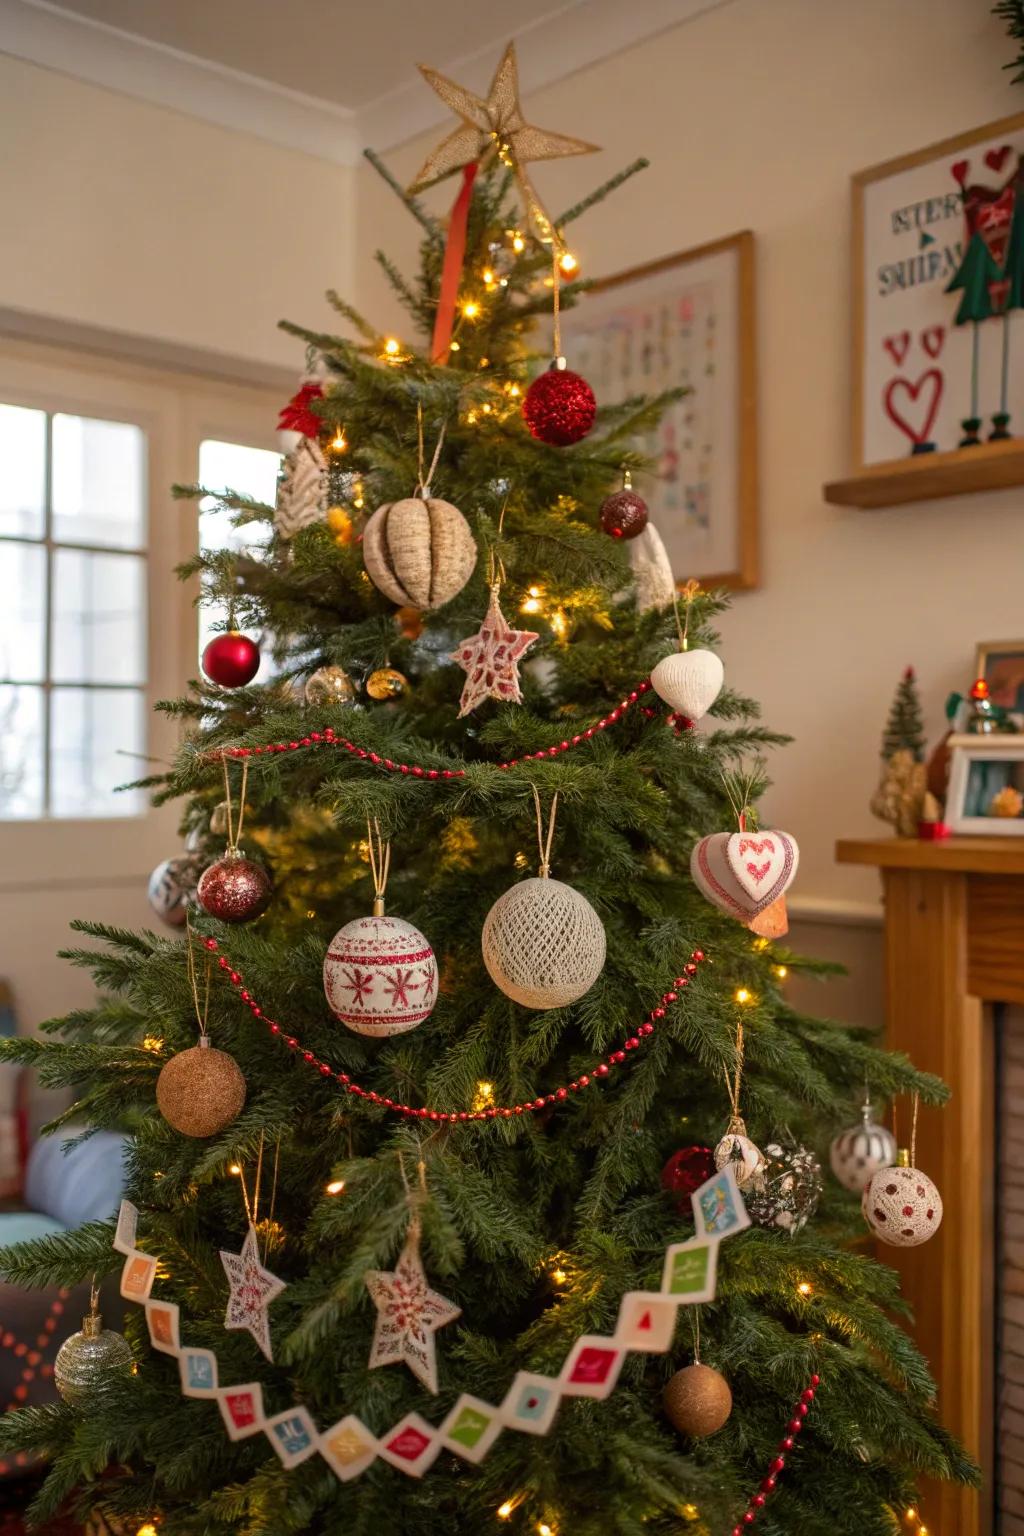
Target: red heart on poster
x,y
960,169
932,338
995,158
931,377
896,346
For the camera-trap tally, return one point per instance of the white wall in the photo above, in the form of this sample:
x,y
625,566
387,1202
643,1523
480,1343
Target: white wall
x,y
754,116
136,218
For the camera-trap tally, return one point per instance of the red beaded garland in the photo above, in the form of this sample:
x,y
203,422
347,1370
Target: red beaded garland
x,y
507,1111
758,1500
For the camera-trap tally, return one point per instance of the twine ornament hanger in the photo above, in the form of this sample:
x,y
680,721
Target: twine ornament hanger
x,y
252,1205
913,1128
423,482
544,843
689,592
235,827
202,1012
733,1086
380,863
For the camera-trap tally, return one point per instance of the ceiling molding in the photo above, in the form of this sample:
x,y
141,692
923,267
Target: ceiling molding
x,y
555,46
46,34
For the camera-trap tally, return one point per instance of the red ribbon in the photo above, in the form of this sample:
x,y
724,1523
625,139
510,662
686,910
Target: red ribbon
x,y
454,252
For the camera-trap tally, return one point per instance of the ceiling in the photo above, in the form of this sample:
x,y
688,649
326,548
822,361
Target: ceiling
x,y
327,77
349,52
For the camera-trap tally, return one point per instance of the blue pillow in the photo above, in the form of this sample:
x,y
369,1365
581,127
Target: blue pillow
x,y
84,1184
19,1226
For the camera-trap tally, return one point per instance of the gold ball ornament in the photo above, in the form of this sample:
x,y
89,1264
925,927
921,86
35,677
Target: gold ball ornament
x,y
91,1362
420,552
329,685
339,521
697,1401
200,1091
386,683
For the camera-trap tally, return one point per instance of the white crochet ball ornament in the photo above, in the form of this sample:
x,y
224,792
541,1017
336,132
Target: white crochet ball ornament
x,y
380,976
420,552
857,1154
737,1151
689,681
902,1206
543,943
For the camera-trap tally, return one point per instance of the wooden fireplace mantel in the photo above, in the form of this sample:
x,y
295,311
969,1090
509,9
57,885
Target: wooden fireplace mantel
x,y
954,946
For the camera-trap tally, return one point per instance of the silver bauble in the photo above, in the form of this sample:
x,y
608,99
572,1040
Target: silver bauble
x,y
788,1192
857,1154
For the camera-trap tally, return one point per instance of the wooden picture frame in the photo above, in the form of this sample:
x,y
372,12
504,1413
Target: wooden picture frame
x,y
979,767
709,522
1001,664
908,342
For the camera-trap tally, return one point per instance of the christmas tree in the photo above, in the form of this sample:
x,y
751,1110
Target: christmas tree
x,y
974,278
461,1172
904,729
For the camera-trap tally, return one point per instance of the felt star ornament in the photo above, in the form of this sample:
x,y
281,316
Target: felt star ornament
x,y
409,1313
494,125
253,1288
490,659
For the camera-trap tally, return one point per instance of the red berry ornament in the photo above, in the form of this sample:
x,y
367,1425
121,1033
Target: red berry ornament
x,y
235,889
624,514
686,1171
232,660
559,406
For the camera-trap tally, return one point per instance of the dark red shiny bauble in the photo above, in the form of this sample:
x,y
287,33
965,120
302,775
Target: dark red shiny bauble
x,y
686,1171
624,515
232,660
559,407
235,889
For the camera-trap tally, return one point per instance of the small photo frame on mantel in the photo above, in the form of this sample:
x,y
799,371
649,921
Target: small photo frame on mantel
x,y
986,785
927,361
1001,664
685,320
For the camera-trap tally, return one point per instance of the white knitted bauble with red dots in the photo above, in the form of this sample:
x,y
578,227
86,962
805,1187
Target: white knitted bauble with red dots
x,y
902,1207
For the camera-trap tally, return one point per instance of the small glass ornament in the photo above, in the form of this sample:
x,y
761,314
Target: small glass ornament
x,y
857,1154
235,889
624,513
329,685
91,1362
789,1189
386,683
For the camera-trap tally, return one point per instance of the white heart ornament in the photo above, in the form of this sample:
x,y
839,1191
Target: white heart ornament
x,y
742,873
690,681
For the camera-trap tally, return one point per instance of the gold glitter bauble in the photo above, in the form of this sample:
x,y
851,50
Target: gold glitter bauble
x,y
91,1362
698,1401
386,683
200,1091
329,685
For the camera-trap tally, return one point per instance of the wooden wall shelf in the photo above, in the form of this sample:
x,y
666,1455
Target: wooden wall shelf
x,y
929,476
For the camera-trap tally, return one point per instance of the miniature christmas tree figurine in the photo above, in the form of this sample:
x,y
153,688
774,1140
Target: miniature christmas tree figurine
x,y
904,729
974,277
524,1021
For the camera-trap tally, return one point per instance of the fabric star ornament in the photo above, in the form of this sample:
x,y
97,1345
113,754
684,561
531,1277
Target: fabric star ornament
x,y
495,125
490,659
253,1288
409,1313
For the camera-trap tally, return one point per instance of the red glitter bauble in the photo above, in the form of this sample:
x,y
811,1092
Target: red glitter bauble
x,y
559,407
232,660
686,1171
234,889
624,515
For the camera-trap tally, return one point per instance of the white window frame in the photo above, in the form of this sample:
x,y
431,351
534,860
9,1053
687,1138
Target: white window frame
x,y
176,411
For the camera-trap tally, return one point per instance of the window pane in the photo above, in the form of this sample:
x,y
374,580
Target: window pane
x,y
99,478
254,471
98,742
21,752
22,612
98,618
23,482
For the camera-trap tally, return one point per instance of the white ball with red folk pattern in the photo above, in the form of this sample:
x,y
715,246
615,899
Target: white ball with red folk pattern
x,y
380,976
902,1206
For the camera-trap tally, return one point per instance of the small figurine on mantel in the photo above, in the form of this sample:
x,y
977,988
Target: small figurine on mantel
x,y
899,798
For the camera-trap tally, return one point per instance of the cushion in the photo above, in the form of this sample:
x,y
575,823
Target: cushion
x,y
83,1184
19,1226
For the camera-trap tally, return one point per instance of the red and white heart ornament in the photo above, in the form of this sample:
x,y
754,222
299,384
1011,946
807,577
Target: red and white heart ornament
x,y
742,873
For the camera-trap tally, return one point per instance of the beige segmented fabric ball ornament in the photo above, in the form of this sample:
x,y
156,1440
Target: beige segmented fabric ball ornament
x,y
200,1091
419,552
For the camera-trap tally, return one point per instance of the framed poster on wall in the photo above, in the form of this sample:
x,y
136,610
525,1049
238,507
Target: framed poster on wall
x,y
934,369
686,320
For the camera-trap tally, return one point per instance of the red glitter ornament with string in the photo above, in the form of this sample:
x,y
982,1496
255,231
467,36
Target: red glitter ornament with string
x,y
624,513
559,407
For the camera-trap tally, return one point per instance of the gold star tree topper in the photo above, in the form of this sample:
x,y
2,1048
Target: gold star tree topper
x,y
495,126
